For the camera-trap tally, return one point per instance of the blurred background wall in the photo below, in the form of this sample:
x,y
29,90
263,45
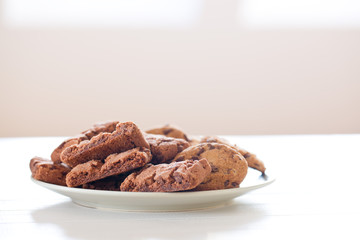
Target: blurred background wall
x,y
211,67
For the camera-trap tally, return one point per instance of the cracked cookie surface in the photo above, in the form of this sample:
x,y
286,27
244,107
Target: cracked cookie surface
x,y
228,168
176,176
114,164
126,136
164,149
97,128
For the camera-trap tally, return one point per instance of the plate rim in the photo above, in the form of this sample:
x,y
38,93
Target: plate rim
x,y
248,188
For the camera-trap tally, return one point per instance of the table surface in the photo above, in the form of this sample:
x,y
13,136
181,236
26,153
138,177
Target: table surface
x,y
315,195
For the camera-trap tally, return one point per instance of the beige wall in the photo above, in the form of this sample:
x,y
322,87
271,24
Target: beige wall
x,y
217,70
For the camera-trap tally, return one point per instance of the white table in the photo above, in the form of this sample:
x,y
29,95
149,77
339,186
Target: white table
x,y
316,196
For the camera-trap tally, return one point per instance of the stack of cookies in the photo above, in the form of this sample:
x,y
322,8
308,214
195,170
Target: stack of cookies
x,y
120,157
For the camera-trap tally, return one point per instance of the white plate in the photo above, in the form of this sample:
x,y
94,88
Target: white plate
x,y
149,201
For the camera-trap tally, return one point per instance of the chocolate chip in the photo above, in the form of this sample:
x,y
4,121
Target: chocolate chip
x,y
167,131
179,159
195,158
226,183
201,150
247,155
234,184
211,146
186,138
214,169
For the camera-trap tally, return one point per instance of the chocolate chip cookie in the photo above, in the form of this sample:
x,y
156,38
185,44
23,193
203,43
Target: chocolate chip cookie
x,y
126,136
176,176
47,171
164,149
55,155
97,128
228,167
169,131
251,158
114,164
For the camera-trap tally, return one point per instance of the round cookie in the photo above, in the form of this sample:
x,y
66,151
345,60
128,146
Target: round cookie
x,y
169,131
251,158
228,167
